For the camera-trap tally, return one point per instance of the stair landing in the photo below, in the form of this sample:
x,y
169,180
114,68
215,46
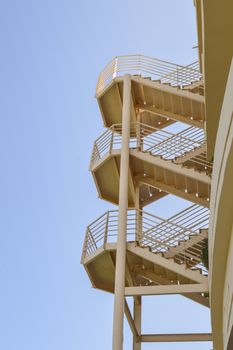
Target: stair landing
x,y
143,268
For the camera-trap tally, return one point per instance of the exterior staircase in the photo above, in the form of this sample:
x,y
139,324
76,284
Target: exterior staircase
x,y
132,252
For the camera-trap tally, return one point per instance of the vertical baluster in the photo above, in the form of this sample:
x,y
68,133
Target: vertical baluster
x,y
106,230
112,139
115,68
84,252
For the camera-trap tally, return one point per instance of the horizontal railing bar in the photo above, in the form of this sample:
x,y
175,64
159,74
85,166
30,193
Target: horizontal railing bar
x,y
160,235
153,139
152,59
166,71
194,215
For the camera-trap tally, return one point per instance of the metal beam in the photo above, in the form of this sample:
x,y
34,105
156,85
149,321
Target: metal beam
x,y
131,321
174,116
166,88
198,298
169,289
137,313
171,166
167,338
155,197
171,189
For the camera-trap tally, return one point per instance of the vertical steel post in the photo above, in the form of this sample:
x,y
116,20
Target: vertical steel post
x,y
138,132
118,318
138,233
137,319
137,303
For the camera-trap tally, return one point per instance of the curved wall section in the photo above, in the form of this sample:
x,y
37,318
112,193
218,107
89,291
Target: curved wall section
x,y
221,220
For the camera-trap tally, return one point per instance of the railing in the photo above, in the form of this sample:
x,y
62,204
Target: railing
x,y
166,72
149,139
170,146
160,235
109,140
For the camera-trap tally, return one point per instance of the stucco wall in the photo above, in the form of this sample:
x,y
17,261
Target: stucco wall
x,y
221,220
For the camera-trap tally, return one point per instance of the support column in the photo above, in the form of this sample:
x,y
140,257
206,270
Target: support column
x,y
138,131
137,311
138,235
137,302
118,319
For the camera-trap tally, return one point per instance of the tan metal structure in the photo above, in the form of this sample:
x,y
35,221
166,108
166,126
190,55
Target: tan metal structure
x,y
130,252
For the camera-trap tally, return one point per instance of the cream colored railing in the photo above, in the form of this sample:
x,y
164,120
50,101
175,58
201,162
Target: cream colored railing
x,y
160,235
155,141
166,72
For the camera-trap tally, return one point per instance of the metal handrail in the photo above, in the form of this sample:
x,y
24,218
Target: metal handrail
x,y
160,235
155,141
166,72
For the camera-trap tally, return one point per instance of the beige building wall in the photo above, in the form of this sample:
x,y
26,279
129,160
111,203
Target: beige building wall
x,y
221,221
215,33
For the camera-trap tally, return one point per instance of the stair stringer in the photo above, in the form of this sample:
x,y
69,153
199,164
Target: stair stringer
x,y
167,264
186,244
189,155
159,280
171,166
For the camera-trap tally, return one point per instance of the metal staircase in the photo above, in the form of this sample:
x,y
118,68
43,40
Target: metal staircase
x,y
135,162
179,237
155,160
169,97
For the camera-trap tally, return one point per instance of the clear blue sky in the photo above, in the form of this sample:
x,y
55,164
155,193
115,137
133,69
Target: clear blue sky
x,y
51,54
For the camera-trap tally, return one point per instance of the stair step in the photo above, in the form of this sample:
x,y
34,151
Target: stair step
x,y
159,254
169,273
198,270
